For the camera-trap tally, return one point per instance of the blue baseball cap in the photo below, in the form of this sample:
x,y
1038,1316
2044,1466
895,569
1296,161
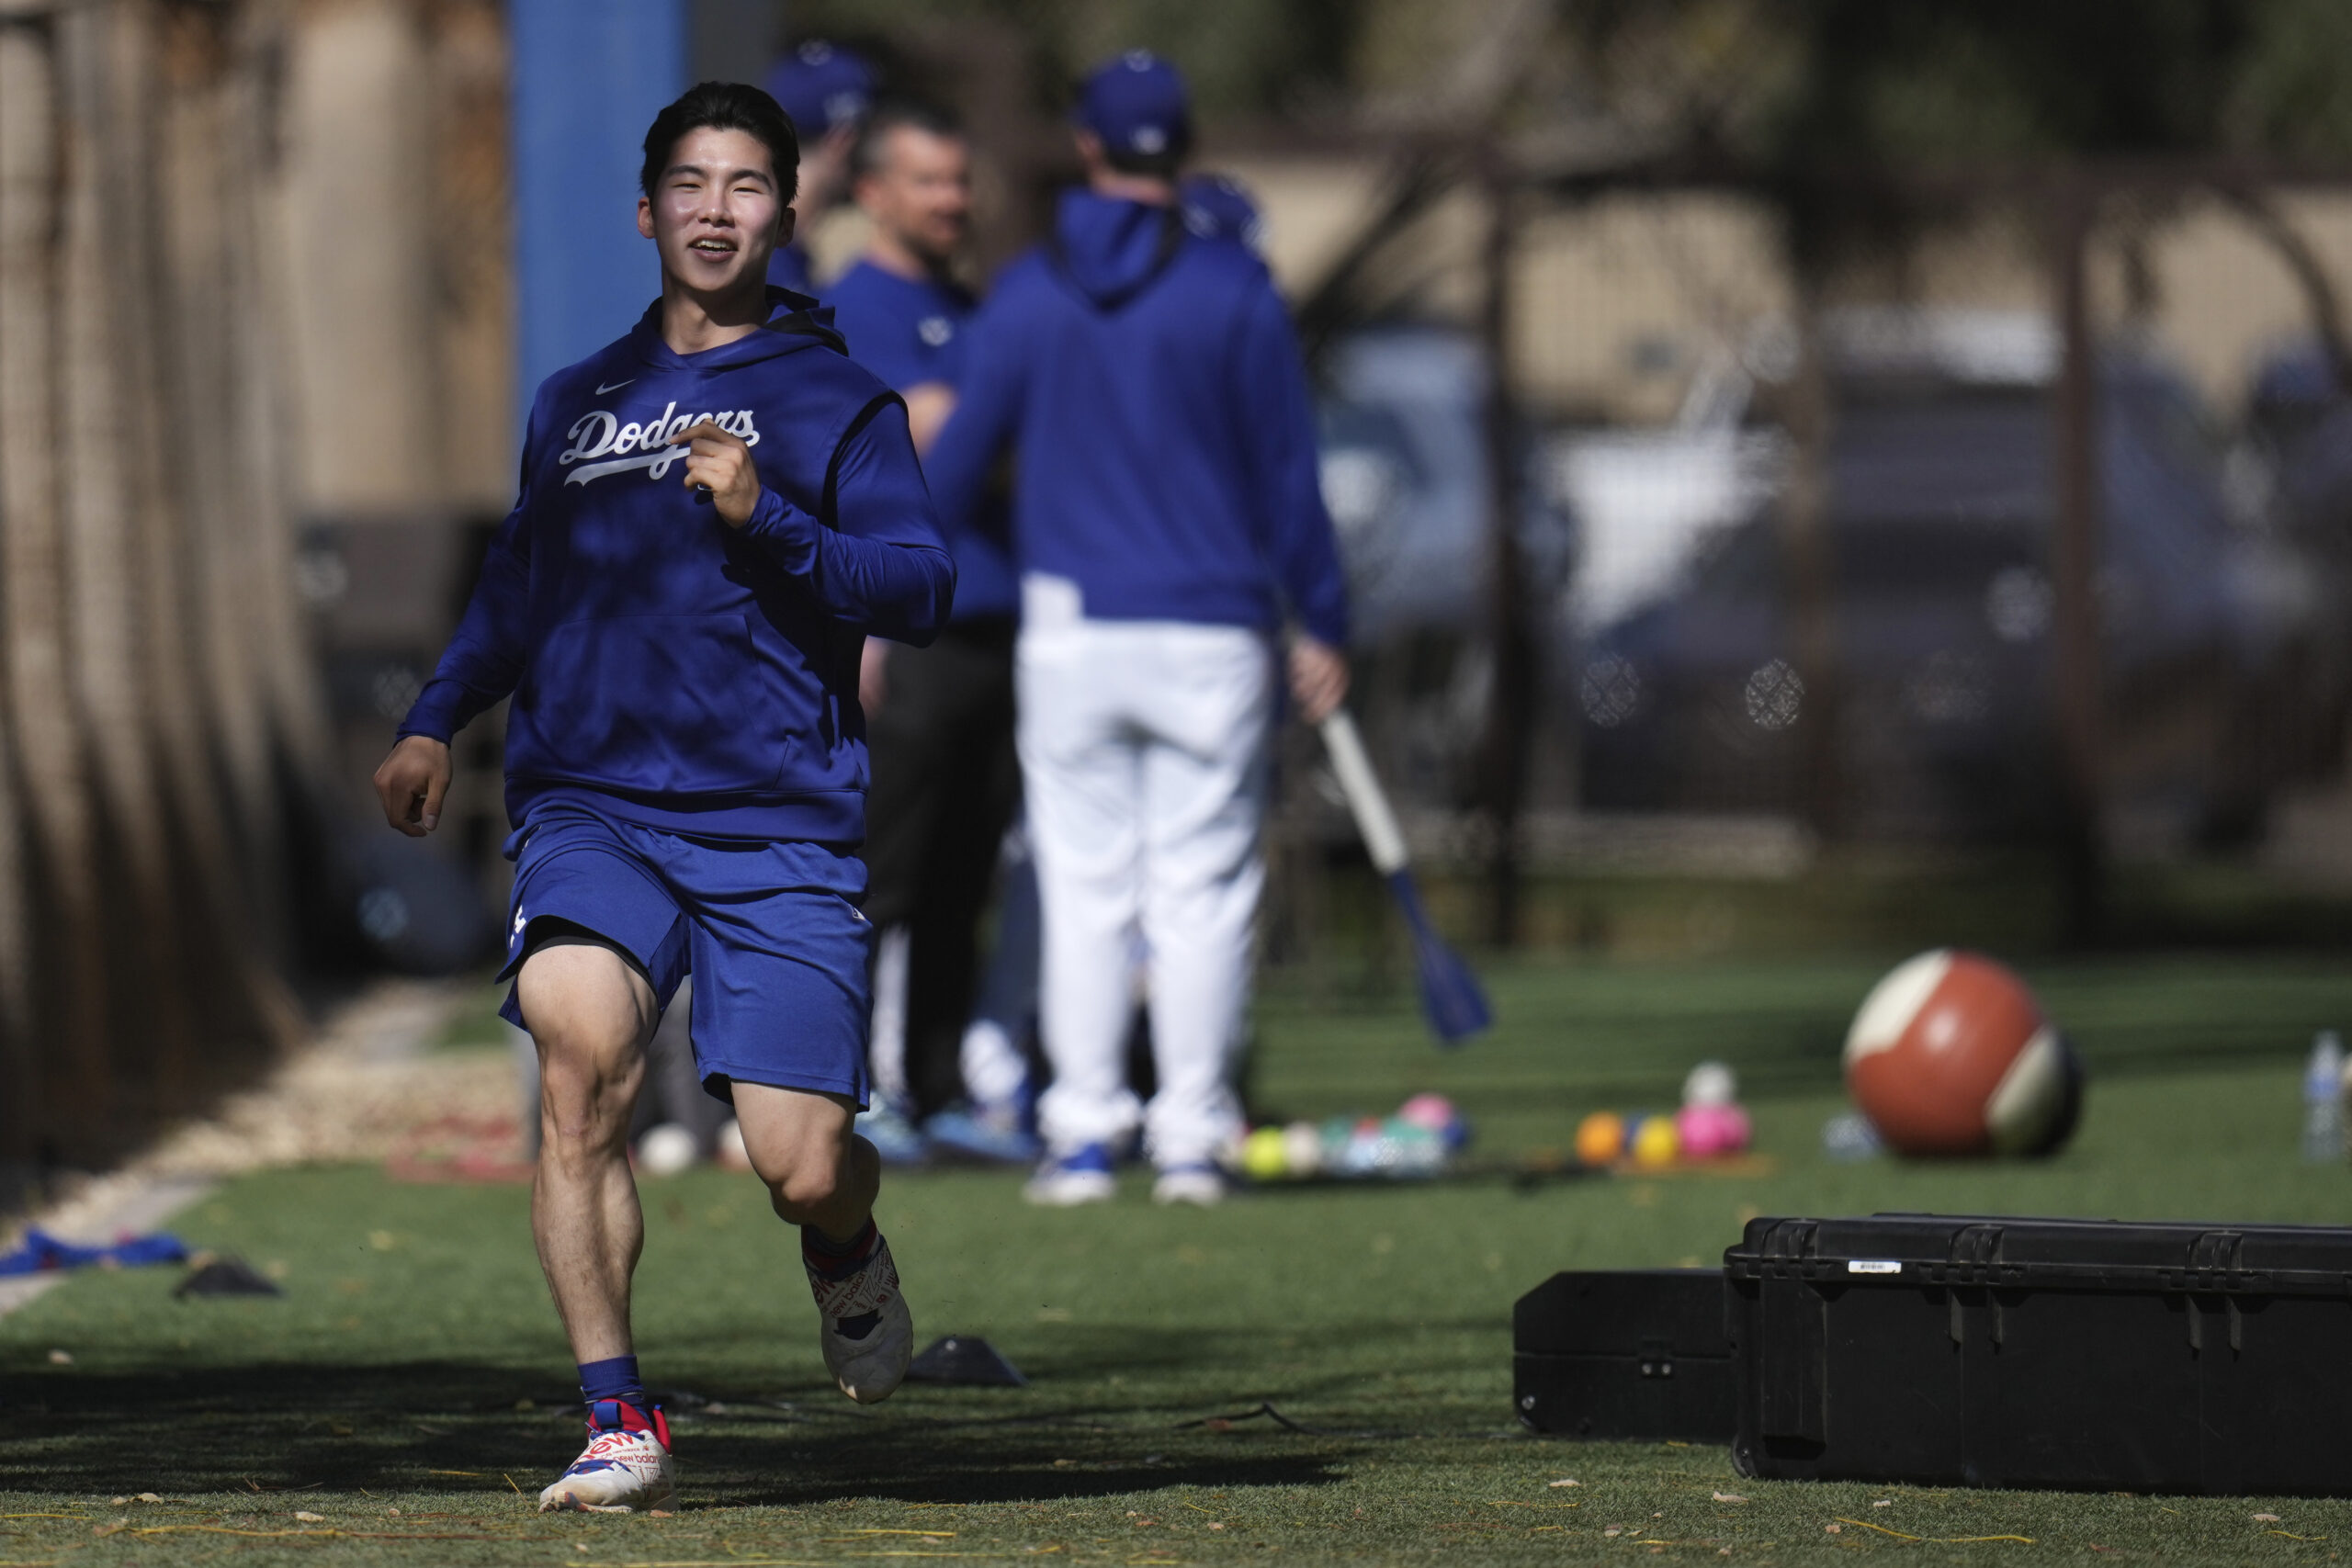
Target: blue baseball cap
x,y
1137,104
823,86
1219,207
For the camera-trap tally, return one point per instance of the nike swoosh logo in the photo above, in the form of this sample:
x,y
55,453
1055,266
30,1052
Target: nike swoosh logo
x,y
613,387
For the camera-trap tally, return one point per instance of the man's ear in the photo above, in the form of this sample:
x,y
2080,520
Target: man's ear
x,y
645,215
785,221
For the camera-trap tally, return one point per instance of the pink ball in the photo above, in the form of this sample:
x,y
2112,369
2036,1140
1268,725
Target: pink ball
x,y
1709,1130
1433,1111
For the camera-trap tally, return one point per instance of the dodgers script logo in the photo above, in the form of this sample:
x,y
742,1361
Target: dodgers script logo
x,y
600,440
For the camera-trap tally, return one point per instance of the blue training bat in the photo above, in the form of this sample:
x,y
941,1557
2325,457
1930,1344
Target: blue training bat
x,y
1450,996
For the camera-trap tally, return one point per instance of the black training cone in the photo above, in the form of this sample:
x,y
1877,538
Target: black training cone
x,y
964,1359
225,1277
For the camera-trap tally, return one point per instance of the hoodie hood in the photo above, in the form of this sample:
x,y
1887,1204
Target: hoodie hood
x,y
1110,250
794,322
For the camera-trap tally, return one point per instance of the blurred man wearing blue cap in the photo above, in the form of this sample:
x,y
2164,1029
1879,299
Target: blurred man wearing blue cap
x,y
939,721
825,90
1168,527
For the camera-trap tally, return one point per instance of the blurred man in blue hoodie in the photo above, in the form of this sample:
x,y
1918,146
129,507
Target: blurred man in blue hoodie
x,y
939,719
1168,524
716,510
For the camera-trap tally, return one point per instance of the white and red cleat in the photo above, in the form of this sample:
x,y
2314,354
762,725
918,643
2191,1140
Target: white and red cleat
x,y
627,1465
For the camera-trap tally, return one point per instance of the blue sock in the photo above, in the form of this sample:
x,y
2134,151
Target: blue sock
x,y
613,1379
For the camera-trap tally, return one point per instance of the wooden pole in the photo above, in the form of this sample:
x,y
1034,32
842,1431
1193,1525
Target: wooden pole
x,y
1511,711
2074,563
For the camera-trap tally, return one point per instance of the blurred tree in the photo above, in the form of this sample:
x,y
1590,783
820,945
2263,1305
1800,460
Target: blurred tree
x,y
1803,87
156,718
1244,57
1869,125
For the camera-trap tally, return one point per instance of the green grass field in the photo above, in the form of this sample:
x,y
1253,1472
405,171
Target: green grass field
x,y
413,1366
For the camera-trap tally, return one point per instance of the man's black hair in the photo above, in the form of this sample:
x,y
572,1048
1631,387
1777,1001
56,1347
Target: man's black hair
x,y
725,106
897,114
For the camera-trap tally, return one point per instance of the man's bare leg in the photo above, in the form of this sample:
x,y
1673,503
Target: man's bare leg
x,y
591,1015
819,1172
822,1176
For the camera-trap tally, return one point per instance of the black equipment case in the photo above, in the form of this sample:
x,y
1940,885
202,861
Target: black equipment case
x,y
2081,1354
1634,1353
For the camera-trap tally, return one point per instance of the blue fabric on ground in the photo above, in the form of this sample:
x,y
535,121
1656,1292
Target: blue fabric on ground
x,y
41,1253
1150,383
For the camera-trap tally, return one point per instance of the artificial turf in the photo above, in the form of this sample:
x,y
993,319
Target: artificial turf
x,y
413,1366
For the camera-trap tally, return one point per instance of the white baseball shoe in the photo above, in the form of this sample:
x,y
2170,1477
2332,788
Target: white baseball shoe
x,y
865,1328
626,1466
1065,1181
1199,1183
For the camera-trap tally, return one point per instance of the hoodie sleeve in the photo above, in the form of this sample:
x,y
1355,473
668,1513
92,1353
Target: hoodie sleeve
x,y
881,567
988,414
486,657
1277,424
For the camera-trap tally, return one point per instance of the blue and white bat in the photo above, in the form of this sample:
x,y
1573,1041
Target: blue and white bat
x,y
1450,998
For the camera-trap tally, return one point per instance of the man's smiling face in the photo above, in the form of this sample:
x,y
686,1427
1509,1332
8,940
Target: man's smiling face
x,y
715,215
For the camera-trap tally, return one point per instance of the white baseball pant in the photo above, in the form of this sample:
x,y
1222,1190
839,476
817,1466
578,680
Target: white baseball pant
x,y
1144,758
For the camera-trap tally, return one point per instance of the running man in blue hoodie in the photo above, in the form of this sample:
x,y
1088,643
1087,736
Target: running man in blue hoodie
x,y
1167,522
716,510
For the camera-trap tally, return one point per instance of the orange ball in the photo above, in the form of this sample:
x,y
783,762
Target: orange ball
x,y
1601,1138
1952,1055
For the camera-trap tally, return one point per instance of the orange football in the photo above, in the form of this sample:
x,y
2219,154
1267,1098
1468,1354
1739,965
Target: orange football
x,y
1952,1055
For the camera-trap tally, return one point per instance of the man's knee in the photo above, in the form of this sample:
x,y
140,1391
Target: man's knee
x,y
586,1097
590,1015
805,1184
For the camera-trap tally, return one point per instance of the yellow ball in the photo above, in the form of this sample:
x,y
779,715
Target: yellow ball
x,y
1264,1155
1601,1138
1658,1144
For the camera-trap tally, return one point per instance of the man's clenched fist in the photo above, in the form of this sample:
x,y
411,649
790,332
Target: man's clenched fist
x,y
411,783
722,463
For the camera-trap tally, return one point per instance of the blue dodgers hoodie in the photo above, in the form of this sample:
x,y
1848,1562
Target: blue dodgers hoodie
x,y
667,669
1165,439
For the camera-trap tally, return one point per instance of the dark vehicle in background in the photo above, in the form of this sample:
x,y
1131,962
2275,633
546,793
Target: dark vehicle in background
x,y
1939,533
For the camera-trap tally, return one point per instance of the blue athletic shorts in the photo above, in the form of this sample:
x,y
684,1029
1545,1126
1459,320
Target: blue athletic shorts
x,y
770,932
